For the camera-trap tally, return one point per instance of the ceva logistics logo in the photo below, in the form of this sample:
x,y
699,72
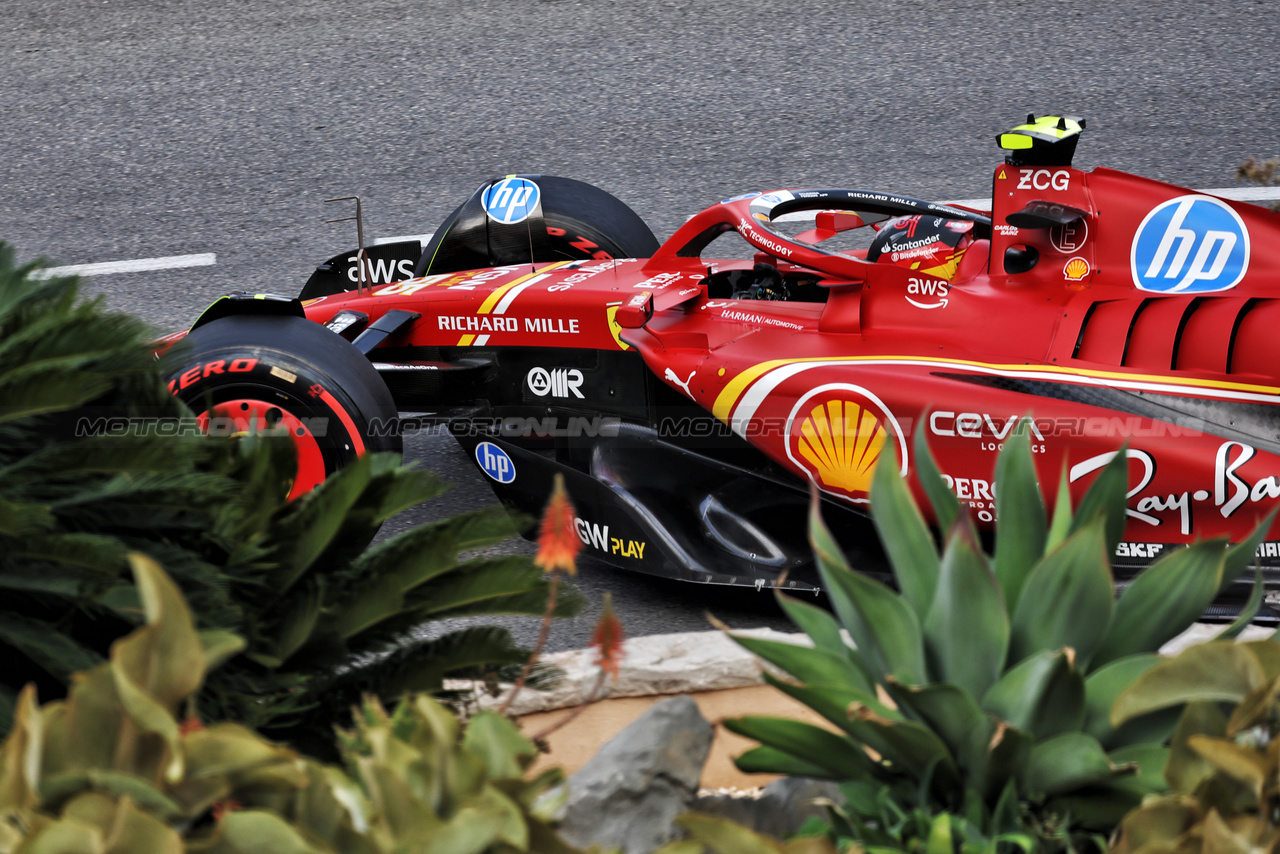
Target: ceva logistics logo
x,y
511,200
495,462
1190,245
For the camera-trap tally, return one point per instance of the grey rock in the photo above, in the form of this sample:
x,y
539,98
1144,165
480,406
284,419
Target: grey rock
x,y
629,792
781,809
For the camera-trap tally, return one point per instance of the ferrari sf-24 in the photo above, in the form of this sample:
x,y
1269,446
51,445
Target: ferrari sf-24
x,y
690,401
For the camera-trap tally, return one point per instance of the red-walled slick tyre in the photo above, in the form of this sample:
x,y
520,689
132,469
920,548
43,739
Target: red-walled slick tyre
x,y
245,373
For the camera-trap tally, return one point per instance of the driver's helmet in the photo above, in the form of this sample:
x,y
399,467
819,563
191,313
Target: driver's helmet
x,y
930,244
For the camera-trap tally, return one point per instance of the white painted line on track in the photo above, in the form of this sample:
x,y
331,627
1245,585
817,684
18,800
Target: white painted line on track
x,y
171,262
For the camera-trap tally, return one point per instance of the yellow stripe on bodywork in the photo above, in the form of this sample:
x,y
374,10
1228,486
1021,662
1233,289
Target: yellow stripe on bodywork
x,y
728,397
496,296
731,392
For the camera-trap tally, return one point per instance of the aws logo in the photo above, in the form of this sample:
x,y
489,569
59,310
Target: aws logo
x,y
837,434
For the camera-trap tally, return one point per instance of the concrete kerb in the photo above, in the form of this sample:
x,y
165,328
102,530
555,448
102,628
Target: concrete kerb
x,y
697,662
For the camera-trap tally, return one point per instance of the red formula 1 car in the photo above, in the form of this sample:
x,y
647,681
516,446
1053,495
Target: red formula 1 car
x,y
690,402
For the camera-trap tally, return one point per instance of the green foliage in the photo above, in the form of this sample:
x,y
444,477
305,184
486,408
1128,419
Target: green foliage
x,y
110,770
290,578
974,704
1223,772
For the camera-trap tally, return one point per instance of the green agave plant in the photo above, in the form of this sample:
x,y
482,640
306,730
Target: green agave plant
x,y
115,768
982,690
1224,766
291,578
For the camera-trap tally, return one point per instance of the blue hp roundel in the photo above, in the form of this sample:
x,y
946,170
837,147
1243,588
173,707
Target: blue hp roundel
x,y
510,200
1190,245
495,462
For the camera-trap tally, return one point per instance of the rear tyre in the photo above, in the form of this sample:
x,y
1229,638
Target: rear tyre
x,y
582,222
244,373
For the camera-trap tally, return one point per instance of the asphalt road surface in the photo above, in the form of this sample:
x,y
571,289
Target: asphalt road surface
x,y
139,130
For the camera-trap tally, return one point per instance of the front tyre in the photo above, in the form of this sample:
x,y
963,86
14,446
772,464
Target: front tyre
x,y
572,221
248,373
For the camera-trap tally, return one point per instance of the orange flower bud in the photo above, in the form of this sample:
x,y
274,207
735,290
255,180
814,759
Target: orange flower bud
x,y
607,639
558,541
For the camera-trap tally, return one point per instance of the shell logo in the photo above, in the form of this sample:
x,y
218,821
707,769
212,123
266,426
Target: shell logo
x,y
837,434
1076,269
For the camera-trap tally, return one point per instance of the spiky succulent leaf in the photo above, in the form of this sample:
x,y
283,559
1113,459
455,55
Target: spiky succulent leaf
x,y
1043,695
840,757
1106,499
1072,602
1247,611
810,665
907,540
769,760
1067,762
883,626
1060,524
1003,765
966,630
946,507
909,746
1163,601
833,701
953,714
1240,556
815,621
1023,530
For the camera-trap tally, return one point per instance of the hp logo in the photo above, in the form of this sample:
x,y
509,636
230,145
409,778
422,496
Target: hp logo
x,y
495,462
1190,245
510,200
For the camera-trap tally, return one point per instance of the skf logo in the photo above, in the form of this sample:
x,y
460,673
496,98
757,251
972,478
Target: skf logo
x,y
837,434
558,382
495,462
510,200
1043,179
1190,245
